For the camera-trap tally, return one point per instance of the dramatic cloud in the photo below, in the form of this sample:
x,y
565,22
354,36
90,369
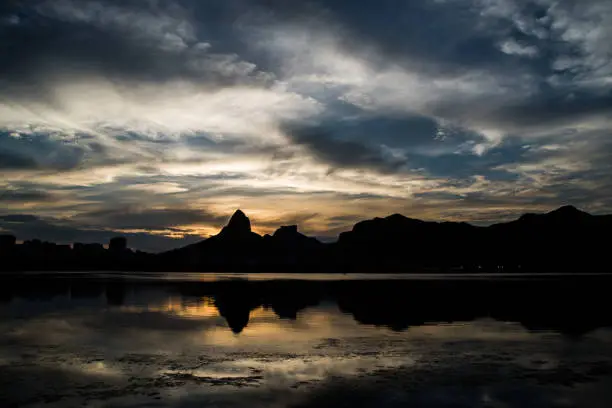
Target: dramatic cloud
x,y
343,153
14,160
160,118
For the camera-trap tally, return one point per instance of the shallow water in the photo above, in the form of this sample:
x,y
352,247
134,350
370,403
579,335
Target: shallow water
x,y
191,340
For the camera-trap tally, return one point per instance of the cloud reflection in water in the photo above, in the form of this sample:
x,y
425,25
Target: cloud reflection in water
x,y
183,344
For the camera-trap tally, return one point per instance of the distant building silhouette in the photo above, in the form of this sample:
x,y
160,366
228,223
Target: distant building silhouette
x,y
117,244
7,243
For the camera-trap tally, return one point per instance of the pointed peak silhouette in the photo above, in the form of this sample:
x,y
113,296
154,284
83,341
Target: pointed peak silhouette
x,y
239,216
239,224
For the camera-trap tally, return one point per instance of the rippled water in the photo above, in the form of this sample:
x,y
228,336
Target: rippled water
x,y
103,340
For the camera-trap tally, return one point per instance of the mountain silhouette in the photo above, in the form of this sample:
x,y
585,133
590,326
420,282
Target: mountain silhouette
x,y
238,227
564,240
235,247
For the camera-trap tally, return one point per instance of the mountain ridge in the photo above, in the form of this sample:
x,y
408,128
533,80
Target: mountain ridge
x,y
397,242
565,239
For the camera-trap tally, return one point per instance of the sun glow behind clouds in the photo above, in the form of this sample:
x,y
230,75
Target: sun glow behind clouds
x,y
317,116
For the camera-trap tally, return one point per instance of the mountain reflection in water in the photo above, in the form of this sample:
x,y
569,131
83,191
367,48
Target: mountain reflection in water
x,y
101,341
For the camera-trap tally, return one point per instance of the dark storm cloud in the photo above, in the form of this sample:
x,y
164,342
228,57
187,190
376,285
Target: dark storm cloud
x,y
399,131
459,37
18,218
442,39
48,151
39,151
342,153
443,36
10,160
16,196
548,109
459,165
437,37
122,40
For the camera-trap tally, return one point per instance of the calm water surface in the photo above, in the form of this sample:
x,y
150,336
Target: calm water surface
x,y
194,340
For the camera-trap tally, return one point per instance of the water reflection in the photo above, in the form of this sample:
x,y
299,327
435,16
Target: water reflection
x,y
572,306
71,341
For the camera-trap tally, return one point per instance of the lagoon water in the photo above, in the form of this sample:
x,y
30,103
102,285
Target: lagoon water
x,y
239,340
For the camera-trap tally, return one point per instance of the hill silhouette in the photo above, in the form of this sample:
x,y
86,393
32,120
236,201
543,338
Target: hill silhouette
x,y
564,240
237,248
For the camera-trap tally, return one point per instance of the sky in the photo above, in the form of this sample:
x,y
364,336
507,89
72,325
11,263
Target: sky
x,y
157,119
